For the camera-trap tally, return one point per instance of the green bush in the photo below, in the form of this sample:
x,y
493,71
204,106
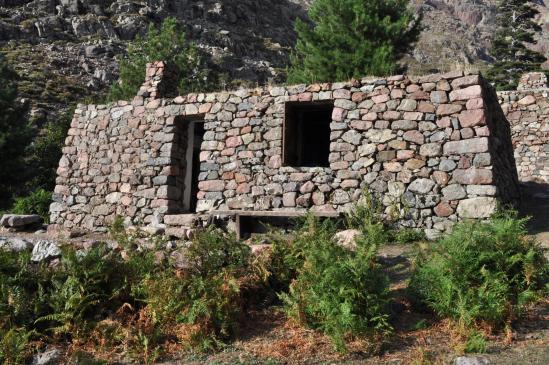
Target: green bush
x,y
352,38
127,300
340,292
66,302
204,302
481,272
38,202
16,134
169,43
408,235
14,346
476,343
45,151
86,287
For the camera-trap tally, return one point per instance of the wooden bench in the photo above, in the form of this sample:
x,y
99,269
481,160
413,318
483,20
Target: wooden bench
x,y
245,218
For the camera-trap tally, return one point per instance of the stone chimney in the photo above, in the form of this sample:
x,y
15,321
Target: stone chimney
x,y
160,81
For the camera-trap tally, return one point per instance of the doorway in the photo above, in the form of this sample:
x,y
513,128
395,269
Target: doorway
x,y
195,136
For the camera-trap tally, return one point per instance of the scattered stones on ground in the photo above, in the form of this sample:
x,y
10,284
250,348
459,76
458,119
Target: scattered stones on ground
x,y
347,238
44,250
471,360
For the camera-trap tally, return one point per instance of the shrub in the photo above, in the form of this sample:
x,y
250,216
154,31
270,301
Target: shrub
x,y
38,202
14,346
481,272
16,134
340,292
21,295
86,287
44,153
367,216
408,235
475,343
169,43
367,212
203,304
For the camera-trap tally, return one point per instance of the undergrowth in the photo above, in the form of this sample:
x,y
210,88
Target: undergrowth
x,y
341,292
129,301
483,274
124,300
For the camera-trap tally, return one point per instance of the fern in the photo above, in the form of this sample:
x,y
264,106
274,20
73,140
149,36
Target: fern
x,y
342,293
482,272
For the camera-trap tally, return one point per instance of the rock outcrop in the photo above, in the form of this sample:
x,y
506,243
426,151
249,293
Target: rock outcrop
x,y
65,50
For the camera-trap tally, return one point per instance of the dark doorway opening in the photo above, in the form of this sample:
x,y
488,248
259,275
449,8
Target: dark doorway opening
x,y
191,135
198,136
306,141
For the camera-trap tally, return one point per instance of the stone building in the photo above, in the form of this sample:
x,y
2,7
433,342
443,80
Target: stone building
x,y
436,149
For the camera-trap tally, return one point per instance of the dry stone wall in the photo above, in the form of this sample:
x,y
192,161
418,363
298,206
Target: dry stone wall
x,y
436,149
527,111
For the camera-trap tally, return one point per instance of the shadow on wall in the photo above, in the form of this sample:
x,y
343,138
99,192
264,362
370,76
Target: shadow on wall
x,y
501,149
535,204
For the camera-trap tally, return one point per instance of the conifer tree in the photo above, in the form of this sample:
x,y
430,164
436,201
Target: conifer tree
x,y
15,135
169,43
352,38
516,28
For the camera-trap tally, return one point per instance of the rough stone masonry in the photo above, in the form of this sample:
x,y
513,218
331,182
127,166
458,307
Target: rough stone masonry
x,y
436,149
527,110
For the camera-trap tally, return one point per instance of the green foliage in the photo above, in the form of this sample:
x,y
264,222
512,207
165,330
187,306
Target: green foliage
x,y
367,216
15,135
45,152
352,38
213,251
14,346
169,44
69,300
516,27
21,292
476,343
408,235
341,292
206,300
37,202
86,286
481,272
285,260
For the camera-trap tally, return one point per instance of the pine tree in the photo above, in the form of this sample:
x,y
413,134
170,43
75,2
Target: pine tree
x,y
516,28
169,43
352,38
15,136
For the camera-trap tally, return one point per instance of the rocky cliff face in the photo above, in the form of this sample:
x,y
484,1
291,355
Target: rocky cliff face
x,y
65,50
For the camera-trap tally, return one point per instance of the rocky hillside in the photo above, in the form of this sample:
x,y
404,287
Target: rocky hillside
x,y
65,50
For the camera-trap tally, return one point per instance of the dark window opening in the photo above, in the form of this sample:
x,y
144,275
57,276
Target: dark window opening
x,y
307,134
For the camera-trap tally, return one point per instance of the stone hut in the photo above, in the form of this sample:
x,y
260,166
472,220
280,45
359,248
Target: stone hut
x,y
436,149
